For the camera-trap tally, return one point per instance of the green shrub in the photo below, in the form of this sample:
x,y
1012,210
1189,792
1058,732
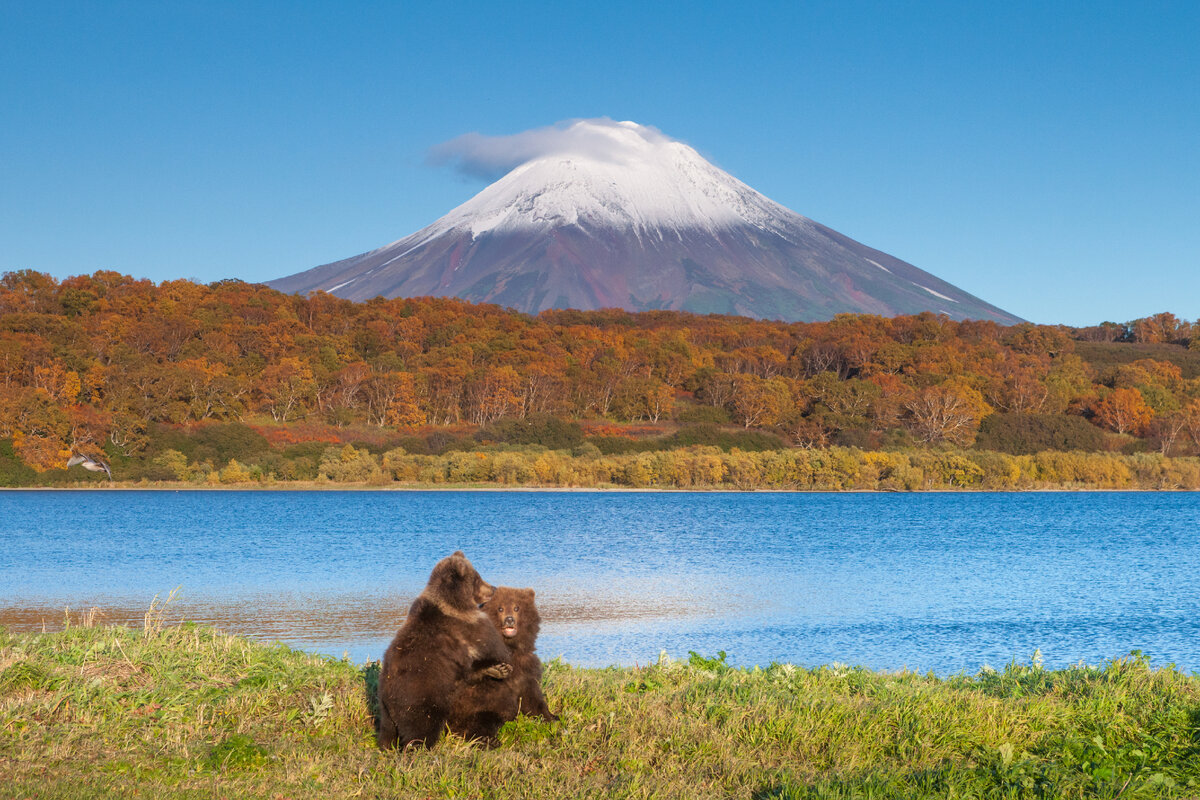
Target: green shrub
x,y
231,440
1026,434
218,442
614,445
440,442
1102,355
714,436
693,414
13,471
691,436
313,450
856,437
410,444
550,432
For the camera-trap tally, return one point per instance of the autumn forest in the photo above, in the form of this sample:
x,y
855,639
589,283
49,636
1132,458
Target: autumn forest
x,y
238,384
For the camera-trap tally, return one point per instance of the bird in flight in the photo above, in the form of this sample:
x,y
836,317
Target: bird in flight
x,y
90,464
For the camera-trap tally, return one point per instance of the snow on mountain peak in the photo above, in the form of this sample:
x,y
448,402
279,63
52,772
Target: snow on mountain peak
x,y
603,174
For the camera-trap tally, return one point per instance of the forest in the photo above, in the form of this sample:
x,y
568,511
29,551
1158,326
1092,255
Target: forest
x,y
236,383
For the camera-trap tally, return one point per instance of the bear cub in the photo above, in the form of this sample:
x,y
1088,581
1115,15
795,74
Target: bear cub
x,y
483,705
446,642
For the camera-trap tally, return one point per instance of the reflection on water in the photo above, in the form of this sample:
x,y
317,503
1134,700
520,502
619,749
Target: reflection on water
x,y
944,582
336,624
359,627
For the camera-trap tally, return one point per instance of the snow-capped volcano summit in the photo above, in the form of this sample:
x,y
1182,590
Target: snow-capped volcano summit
x,y
615,214
633,179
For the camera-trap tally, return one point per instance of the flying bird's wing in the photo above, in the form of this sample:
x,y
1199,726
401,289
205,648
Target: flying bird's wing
x,y
90,464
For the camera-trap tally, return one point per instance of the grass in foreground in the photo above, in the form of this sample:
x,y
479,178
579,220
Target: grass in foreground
x,y
185,711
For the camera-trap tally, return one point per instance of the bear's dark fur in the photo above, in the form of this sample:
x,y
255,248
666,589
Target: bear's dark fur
x,y
445,642
483,705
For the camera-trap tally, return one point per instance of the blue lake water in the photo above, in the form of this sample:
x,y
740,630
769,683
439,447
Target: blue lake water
x,y
942,582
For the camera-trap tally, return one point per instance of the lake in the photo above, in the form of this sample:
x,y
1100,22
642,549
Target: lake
x,y
942,582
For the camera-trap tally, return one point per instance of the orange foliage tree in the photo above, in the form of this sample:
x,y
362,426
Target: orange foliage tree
x,y
949,412
1124,411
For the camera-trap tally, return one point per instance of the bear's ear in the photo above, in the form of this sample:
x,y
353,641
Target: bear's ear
x,y
457,564
528,593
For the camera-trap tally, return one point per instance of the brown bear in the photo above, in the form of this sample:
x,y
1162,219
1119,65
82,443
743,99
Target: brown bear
x,y
445,642
483,705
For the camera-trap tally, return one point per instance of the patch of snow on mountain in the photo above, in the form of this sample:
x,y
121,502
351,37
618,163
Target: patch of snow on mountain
x,y
885,269
937,294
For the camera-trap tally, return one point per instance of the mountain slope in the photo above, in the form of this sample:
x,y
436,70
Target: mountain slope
x,y
639,221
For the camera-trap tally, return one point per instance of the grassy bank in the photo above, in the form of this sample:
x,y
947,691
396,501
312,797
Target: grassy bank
x,y
185,711
695,467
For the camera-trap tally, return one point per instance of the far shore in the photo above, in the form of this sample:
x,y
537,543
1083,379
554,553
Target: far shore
x,y
322,486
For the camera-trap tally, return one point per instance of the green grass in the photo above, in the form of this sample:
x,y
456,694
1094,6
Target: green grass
x,y
185,711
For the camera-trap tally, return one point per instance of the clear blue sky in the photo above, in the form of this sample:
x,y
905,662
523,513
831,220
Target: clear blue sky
x,y
1042,155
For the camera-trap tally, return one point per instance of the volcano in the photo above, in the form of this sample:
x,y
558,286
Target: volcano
x,y
639,221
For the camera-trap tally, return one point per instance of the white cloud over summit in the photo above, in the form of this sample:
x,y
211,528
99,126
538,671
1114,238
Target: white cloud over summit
x,y
489,157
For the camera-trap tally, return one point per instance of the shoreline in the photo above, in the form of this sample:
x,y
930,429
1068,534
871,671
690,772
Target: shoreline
x,y
690,469
70,619
302,486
